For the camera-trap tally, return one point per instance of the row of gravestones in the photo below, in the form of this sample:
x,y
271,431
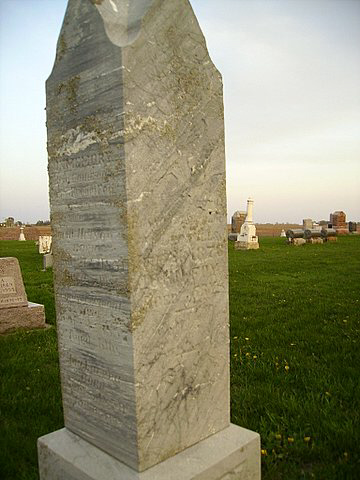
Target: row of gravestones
x,y
137,173
300,236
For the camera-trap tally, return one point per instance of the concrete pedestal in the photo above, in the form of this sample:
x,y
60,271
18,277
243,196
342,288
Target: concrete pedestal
x,y
232,454
246,245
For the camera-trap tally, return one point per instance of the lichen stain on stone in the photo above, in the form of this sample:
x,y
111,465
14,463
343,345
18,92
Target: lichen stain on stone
x,y
64,278
62,47
138,124
89,132
138,315
61,255
135,260
70,87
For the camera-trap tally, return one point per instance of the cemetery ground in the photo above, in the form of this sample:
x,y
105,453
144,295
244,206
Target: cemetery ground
x,y
295,325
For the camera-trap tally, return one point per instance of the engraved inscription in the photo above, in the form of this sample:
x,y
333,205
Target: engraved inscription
x,y
7,285
11,300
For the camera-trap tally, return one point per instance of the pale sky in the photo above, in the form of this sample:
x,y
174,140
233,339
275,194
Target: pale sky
x,y
291,73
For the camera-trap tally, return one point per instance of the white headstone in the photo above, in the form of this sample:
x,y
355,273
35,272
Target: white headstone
x,y
247,238
22,236
45,243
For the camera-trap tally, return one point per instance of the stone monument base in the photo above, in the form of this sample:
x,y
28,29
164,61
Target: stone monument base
x,y
47,261
298,241
232,454
246,245
31,316
315,240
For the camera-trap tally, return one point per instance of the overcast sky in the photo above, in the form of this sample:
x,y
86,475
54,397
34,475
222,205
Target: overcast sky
x,y
291,72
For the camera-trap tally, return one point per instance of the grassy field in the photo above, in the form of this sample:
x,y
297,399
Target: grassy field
x,y
295,360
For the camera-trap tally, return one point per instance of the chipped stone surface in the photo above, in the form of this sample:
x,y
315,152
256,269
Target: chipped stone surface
x,y
138,211
12,291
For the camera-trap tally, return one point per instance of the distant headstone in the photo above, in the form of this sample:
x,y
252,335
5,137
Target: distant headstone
x,y
307,224
247,238
331,239
312,233
15,310
298,241
338,221
232,237
295,233
352,226
314,240
282,234
47,261
22,236
9,222
137,193
45,243
328,232
237,220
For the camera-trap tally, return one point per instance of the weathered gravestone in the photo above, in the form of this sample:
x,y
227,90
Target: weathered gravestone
x,y
15,310
137,193
22,236
237,220
47,261
307,224
45,243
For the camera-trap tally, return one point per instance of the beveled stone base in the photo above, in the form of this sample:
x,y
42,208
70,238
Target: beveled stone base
x,y
315,240
32,316
232,454
298,241
246,245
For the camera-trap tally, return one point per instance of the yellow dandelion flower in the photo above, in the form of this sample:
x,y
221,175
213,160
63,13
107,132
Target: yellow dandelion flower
x,y
235,338
235,354
328,394
287,368
307,439
291,439
346,454
247,354
278,436
247,339
263,451
255,357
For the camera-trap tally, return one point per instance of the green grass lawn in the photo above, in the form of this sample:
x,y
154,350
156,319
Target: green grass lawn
x,y
295,360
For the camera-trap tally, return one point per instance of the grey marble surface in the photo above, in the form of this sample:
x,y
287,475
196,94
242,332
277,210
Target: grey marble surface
x,y
232,454
138,211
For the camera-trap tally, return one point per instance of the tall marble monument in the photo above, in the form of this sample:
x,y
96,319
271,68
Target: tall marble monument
x,y
247,239
138,212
